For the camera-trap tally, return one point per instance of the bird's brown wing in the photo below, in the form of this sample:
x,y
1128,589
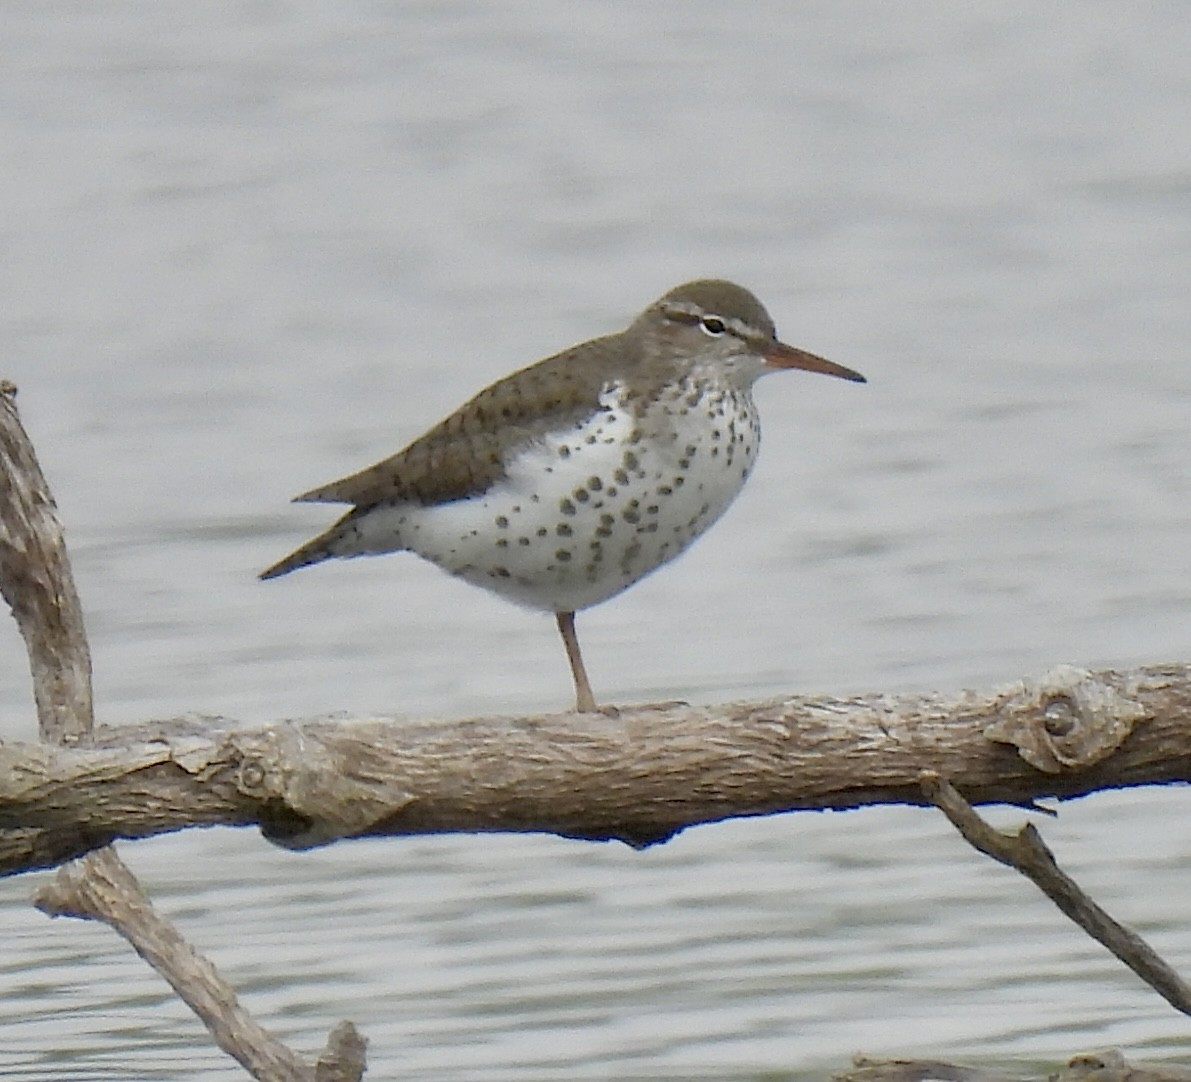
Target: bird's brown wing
x,y
467,452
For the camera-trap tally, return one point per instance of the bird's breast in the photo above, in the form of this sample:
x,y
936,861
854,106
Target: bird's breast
x,y
586,511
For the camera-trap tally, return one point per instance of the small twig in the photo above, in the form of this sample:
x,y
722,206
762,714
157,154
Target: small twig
x,y
1027,852
101,887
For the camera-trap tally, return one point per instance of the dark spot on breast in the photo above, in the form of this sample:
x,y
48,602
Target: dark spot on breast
x,y
563,530
594,484
502,521
562,555
631,461
566,506
582,495
622,477
564,451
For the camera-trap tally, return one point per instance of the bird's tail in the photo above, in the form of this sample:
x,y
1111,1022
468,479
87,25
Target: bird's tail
x,y
314,551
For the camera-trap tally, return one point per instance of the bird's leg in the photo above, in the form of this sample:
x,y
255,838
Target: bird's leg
x,y
584,699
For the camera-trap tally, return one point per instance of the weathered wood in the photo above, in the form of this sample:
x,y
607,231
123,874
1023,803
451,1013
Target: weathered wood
x,y
36,581
1028,853
100,887
638,776
1108,1065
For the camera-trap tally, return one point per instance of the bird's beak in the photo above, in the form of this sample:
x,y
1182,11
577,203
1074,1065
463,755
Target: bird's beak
x,y
779,355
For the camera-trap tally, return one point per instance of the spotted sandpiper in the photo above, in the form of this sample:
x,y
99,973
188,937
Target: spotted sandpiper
x,y
559,486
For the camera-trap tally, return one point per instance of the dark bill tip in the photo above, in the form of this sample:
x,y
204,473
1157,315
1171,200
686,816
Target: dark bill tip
x,y
780,355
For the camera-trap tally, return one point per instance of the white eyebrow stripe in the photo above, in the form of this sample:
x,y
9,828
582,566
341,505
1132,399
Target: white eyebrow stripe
x,y
686,310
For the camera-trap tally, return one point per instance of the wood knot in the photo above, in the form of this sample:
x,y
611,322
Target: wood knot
x,y
1067,720
252,777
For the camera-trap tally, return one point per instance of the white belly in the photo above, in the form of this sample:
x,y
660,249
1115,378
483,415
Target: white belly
x,y
581,515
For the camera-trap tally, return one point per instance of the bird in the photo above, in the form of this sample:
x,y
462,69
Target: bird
x,y
564,483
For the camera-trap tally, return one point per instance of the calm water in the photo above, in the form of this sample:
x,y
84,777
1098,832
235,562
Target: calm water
x,y
250,247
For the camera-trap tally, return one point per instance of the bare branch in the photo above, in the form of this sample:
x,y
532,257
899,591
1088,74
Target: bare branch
x,y
100,887
638,777
1105,1066
36,581
1027,852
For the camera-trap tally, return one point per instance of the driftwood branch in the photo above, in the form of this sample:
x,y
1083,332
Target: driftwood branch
x,y
100,887
36,581
1028,853
1108,1065
639,776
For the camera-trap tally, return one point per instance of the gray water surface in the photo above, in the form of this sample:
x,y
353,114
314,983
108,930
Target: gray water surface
x,y
251,247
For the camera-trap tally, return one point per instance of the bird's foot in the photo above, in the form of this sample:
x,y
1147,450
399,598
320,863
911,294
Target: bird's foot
x,y
610,711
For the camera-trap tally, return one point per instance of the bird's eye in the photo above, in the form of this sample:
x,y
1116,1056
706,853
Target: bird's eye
x,y
712,325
